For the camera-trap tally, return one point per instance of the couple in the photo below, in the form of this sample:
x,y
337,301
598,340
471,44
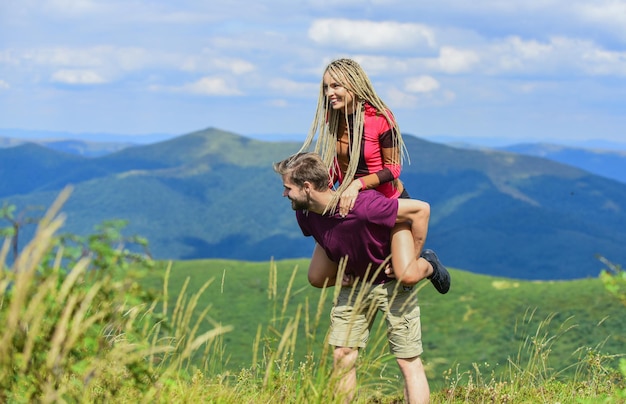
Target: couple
x,y
360,240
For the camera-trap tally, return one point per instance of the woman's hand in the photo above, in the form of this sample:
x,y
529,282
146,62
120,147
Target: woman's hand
x,y
346,201
389,271
348,280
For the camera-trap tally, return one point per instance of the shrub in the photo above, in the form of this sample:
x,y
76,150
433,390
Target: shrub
x,y
77,325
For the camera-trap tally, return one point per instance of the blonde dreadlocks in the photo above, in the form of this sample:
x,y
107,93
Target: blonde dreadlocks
x,y
326,122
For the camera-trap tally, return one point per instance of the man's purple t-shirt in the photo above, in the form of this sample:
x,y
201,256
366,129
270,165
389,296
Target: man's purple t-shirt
x,y
364,235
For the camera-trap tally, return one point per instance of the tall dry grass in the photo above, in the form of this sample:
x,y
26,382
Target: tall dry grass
x,y
82,330
84,334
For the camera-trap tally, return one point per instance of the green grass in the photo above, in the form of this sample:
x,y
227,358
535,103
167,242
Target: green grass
x,y
482,320
81,325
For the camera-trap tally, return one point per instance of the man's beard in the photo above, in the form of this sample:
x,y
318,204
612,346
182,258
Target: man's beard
x,y
299,204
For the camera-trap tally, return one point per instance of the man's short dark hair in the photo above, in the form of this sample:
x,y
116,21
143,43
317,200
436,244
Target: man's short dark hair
x,y
303,167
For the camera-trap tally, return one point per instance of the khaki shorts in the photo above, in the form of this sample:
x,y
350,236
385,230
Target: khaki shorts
x,y
353,315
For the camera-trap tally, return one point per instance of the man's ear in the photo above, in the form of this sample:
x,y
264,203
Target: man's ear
x,y
307,187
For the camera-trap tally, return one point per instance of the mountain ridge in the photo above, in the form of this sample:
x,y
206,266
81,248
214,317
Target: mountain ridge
x,y
607,163
213,194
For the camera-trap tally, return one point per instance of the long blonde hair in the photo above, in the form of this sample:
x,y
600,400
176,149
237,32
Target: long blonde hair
x,y
326,122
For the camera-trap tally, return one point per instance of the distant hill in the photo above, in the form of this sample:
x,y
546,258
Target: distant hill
x,y
607,163
44,135
213,194
70,146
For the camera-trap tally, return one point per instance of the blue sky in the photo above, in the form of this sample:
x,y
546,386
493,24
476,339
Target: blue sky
x,y
517,70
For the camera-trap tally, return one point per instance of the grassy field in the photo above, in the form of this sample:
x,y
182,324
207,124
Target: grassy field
x,y
483,321
86,320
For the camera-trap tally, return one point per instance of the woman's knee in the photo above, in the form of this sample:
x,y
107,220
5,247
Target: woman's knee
x,y
317,279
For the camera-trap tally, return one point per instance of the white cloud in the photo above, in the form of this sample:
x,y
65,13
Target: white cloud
x,y
383,65
111,57
421,84
71,5
590,58
79,77
609,14
278,103
68,8
273,53
557,56
210,86
529,87
409,99
118,60
212,61
452,60
516,54
8,57
370,35
236,66
113,62
529,49
418,92
397,99
294,88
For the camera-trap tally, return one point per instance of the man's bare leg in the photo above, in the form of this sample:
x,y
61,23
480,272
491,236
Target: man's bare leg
x,y
344,370
416,390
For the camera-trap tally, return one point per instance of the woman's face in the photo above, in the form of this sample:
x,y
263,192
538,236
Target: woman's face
x,y
339,97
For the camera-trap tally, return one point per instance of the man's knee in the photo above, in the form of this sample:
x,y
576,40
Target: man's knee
x,y
345,355
411,364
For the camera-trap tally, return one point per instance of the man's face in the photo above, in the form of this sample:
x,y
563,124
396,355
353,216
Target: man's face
x,y
298,197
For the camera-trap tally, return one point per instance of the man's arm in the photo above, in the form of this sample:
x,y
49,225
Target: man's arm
x,y
418,214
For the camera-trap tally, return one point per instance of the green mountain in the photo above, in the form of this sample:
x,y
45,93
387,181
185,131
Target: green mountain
x,y
27,167
213,194
608,163
72,146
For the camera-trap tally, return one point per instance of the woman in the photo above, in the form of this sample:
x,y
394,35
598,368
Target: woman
x,y
361,144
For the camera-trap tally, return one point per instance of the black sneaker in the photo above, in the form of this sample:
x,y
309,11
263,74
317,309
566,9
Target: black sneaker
x,y
440,277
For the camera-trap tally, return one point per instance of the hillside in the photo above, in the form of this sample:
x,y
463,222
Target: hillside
x,y
607,163
28,167
462,328
213,194
82,148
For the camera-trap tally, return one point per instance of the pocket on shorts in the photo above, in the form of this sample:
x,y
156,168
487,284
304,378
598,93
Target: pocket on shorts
x,y
413,324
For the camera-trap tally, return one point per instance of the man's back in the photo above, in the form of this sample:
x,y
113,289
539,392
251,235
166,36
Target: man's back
x,y
363,235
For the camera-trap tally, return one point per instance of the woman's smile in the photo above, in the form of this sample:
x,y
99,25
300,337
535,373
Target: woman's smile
x,y
337,95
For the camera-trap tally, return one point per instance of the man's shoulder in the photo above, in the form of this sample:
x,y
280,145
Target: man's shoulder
x,y
375,208
373,198
371,195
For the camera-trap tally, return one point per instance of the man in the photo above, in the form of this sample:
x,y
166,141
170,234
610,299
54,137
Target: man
x,y
360,241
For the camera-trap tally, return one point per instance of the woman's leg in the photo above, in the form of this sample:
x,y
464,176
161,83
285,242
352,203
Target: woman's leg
x,y
412,264
408,268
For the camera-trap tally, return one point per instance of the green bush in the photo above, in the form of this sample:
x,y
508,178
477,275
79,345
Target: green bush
x,y
78,326
614,280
